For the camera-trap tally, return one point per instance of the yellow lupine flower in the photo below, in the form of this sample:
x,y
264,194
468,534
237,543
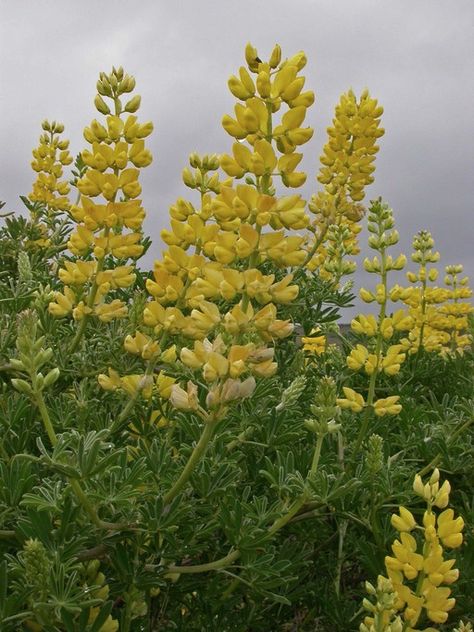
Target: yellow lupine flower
x,y
283,292
313,343
164,384
366,325
429,568
357,357
405,521
110,382
366,295
353,401
387,406
108,311
141,345
449,529
77,273
63,303
184,399
100,229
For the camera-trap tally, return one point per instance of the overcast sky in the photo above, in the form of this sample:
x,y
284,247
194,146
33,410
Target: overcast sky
x,y
415,56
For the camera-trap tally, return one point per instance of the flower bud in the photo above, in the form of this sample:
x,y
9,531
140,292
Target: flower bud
x,y
22,386
188,178
133,104
275,57
51,377
101,105
195,160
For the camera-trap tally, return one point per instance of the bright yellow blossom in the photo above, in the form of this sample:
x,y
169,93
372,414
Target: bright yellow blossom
x,y
101,226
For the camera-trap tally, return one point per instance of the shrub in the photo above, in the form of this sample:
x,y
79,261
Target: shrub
x,y
200,447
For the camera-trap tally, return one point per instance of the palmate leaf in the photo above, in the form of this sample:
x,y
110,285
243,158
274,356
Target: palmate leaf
x,y
214,479
329,488
49,497
16,478
36,524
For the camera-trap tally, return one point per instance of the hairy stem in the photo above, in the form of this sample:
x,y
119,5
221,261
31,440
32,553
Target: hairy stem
x,y
75,485
378,351
198,452
301,500
229,559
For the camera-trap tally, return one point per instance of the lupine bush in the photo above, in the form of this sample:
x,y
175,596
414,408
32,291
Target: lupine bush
x,y
201,446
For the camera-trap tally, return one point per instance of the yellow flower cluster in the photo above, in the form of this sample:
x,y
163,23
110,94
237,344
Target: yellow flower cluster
x,y
455,311
383,613
132,384
49,193
100,237
347,167
425,565
49,159
208,287
378,355
275,83
315,343
439,314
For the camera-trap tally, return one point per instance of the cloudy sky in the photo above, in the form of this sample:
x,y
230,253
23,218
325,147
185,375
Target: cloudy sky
x,y
415,56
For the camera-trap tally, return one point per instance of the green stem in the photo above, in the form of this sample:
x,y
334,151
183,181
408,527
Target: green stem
x,y
90,301
292,511
122,418
253,259
127,613
241,438
197,453
378,350
316,245
265,185
374,523
453,332
39,400
75,485
301,500
340,556
229,559
422,327
6,534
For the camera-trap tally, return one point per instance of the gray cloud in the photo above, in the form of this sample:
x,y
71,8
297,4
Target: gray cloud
x,y
415,57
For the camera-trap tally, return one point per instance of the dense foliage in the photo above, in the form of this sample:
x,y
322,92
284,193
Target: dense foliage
x,y
202,446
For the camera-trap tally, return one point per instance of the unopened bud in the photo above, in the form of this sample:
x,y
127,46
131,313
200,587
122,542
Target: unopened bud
x,y
103,88
51,377
275,57
22,386
292,393
133,104
188,178
24,267
195,160
101,105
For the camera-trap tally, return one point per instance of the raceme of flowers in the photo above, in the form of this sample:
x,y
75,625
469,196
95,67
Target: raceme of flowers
x,y
49,195
347,167
439,314
379,354
420,572
207,287
108,229
49,158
